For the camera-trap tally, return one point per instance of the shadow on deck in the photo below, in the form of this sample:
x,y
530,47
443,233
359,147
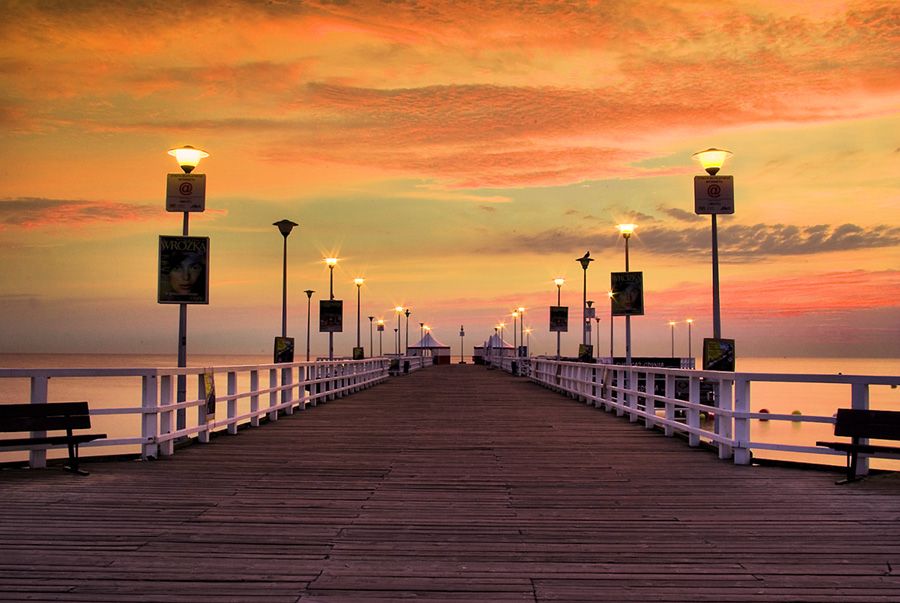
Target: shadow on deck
x,y
451,484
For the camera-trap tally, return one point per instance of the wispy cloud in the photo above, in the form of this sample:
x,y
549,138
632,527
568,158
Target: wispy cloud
x,y
32,212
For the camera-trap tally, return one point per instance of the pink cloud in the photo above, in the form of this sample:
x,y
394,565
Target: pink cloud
x,y
30,212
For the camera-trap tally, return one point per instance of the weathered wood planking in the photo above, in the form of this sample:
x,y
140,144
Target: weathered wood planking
x,y
450,484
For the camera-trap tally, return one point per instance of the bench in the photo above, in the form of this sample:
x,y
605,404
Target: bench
x,y
51,416
864,424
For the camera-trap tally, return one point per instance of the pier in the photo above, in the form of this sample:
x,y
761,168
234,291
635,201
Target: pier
x,y
453,483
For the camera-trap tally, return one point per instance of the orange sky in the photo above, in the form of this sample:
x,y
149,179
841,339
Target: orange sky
x,y
459,156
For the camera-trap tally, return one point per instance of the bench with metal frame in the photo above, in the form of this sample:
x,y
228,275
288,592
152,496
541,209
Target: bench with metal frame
x,y
50,416
859,425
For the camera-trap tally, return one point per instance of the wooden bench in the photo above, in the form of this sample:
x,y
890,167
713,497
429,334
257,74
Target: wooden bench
x,y
52,416
864,424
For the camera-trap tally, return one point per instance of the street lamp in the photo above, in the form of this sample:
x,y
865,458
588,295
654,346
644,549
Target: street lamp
x,y
627,230
284,227
399,311
712,161
371,338
309,293
528,338
380,333
672,327
521,311
407,313
585,261
421,331
597,320
358,281
187,157
515,317
559,282
611,326
331,263
690,323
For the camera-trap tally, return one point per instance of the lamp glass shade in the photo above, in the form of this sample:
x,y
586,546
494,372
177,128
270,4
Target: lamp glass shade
x,y
626,229
188,157
399,309
331,262
559,282
712,160
358,281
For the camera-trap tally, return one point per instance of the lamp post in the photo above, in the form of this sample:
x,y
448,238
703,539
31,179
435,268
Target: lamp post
x,y
380,336
585,261
521,311
358,281
331,263
371,339
559,282
515,317
627,230
421,331
309,293
690,323
188,158
399,311
528,339
672,328
712,161
407,313
597,320
284,227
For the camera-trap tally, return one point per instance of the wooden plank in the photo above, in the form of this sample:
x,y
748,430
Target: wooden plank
x,y
450,484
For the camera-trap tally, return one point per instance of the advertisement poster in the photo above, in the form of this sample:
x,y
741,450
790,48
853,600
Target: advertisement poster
x,y
559,319
627,293
183,270
718,354
331,316
209,394
284,349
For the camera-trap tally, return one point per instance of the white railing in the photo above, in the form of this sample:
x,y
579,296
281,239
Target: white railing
x,y
251,392
683,396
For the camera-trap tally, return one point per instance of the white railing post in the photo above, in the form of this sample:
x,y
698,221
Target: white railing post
x,y
859,400
149,417
670,406
302,393
232,403
650,401
621,398
287,392
254,398
724,419
742,455
632,396
273,394
693,413
37,459
202,419
166,389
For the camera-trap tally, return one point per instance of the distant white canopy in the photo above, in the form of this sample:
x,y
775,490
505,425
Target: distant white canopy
x,y
429,343
495,342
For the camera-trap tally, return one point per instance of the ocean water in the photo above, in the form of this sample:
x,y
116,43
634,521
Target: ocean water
x,y
778,398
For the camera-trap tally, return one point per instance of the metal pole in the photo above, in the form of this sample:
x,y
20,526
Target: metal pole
x,y
627,317
331,298
398,334
522,328
358,289
690,351
673,340
611,331
584,319
717,319
597,320
181,386
309,293
515,337
371,346
558,303
406,352
284,291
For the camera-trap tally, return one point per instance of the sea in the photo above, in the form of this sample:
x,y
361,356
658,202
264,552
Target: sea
x,y
777,398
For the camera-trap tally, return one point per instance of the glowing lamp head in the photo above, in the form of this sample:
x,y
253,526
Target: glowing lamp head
x,y
380,322
358,281
690,321
559,282
515,314
671,323
331,262
521,310
712,159
427,329
399,309
610,294
626,229
188,157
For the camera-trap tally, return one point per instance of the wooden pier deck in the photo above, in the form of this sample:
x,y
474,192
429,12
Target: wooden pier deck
x,y
451,484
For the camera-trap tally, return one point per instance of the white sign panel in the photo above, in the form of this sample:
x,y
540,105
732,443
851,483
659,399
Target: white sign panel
x,y
186,192
713,194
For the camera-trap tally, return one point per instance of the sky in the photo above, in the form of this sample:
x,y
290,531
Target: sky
x,y
459,156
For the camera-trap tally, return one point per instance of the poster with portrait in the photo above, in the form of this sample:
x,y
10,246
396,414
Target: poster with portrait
x,y
209,395
183,270
331,316
627,297
718,354
559,319
284,349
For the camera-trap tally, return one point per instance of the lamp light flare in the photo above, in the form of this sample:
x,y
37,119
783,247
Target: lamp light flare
x,y
626,229
712,159
188,157
559,282
358,281
331,262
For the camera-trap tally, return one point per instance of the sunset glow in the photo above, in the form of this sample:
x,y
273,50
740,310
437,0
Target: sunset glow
x,y
459,155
